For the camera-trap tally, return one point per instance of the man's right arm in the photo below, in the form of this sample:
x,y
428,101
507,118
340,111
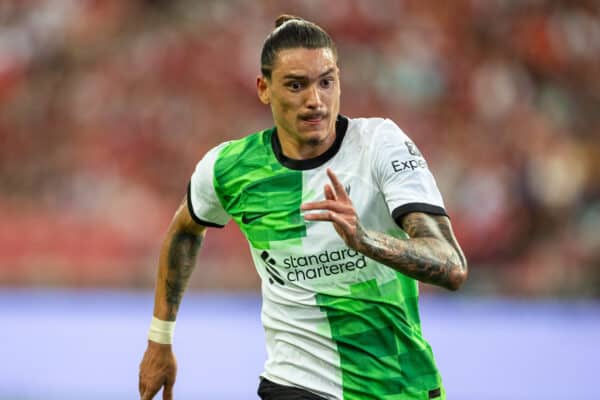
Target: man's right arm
x,y
176,263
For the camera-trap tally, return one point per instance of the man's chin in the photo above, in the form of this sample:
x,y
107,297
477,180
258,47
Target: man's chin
x,y
315,141
315,138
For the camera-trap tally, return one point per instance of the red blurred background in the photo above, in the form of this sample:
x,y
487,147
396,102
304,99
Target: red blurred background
x,y
106,106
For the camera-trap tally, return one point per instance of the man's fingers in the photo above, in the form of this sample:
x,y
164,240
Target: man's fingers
x,y
337,185
323,216
149,392
168,392
329,194
325,205
168,389
329,216
143,388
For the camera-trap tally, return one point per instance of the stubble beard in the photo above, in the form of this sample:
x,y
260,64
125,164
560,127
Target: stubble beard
x,y
316,142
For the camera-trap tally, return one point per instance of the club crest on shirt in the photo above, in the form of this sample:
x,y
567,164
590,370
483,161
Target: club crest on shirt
x,y
412,149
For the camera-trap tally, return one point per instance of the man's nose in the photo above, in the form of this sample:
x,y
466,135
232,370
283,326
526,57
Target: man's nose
x,y
313,97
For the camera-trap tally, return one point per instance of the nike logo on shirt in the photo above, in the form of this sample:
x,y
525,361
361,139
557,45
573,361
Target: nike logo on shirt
x,y
248,218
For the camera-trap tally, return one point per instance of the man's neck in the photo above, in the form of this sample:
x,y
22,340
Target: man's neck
x,y
304,150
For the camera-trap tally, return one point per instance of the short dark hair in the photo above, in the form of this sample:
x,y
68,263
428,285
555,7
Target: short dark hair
x,y
292,32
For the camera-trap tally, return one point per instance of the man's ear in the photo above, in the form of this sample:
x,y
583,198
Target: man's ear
x,y
262,89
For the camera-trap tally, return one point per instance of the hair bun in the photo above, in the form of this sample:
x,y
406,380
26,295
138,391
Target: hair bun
x,y
283,18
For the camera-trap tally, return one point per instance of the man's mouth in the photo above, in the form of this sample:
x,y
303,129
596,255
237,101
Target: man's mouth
x,y
313,118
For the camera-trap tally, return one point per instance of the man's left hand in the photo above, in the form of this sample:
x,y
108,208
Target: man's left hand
x,y
338,209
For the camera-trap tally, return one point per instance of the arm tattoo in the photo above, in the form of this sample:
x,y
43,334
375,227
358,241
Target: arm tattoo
x,y
181,261
431,254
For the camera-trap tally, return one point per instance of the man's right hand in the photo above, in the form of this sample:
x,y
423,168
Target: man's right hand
x,y
158,369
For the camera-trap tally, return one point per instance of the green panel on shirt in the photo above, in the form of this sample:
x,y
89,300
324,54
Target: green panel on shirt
x,y
377,332
261,195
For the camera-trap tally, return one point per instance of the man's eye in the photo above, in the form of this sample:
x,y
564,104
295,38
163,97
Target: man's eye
x,y
295,85
325,83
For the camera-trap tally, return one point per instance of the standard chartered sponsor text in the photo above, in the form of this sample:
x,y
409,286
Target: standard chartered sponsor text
x,y
326,263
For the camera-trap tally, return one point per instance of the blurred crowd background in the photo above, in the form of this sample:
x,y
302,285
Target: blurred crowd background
x,y
107,105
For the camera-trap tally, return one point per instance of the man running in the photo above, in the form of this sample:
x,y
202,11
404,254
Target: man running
x,y
343,218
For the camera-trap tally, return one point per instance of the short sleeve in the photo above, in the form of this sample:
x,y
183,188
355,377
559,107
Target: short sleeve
x,y
203,202
403,175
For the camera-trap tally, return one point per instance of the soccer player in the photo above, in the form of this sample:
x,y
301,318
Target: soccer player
x,y
343,218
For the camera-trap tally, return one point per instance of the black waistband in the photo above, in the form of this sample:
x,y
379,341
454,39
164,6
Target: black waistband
x,y
268,390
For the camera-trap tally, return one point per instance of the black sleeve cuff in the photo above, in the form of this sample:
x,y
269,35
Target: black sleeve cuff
x,y
191,210
401,211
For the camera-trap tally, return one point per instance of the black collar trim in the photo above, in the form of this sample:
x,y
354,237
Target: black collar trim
x,y
341,125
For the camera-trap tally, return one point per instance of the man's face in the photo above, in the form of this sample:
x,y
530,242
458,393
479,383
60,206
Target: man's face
x,y
304,94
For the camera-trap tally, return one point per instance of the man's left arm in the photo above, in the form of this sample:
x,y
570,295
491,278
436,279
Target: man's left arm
x,y
431,254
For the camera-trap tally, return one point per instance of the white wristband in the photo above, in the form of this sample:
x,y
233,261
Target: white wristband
x,y
161,331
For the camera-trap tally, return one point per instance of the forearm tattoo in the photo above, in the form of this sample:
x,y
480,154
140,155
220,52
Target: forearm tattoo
x,y
431,254
181,262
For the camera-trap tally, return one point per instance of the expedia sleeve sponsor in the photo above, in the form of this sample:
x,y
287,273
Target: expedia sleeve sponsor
x,y
401,172
324,264
408,165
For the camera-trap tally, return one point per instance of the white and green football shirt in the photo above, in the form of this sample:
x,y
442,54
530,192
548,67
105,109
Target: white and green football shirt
x,y
337,323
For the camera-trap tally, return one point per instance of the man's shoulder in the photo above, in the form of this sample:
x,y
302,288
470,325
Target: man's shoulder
x,y
365,123
375,131
245,143
244,156
372,125
237,152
